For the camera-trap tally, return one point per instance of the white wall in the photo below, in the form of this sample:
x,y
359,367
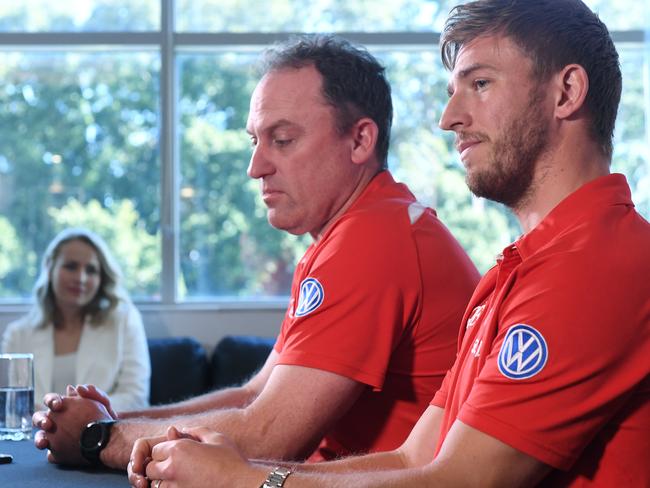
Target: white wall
x,y
206,323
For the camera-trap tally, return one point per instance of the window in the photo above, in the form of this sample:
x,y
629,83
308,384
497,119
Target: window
x,y
112,119
84,16
79,146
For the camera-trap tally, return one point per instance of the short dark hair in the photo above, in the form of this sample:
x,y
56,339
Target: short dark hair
x,y
354,82
554,33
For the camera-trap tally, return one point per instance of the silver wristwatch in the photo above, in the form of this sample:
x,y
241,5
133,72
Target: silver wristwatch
x,y
277,477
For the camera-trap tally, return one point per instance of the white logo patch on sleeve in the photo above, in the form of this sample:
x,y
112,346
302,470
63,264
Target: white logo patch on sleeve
x,y
310,298
523,353
416,209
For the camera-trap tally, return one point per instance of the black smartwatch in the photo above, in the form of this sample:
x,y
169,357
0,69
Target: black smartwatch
x,y
94,438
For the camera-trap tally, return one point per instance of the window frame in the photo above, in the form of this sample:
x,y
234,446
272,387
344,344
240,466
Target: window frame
x,y
168,44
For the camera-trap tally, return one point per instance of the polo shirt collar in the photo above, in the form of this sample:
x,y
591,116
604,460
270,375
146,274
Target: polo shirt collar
x,y
577,207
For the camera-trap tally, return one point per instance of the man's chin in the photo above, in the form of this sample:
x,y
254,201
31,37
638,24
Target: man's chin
x,y
278,221
512,197
482,189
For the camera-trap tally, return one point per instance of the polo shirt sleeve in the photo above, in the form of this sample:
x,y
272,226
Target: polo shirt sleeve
x,y
440,398
370,288
569,351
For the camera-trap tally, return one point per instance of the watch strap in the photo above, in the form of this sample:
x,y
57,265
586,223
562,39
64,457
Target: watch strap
x,y
91,454
277,477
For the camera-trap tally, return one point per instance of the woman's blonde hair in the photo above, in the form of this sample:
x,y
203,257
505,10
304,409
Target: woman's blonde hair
x,y
109,293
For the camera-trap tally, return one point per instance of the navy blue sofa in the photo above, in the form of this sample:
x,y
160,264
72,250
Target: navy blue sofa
x,y
181,367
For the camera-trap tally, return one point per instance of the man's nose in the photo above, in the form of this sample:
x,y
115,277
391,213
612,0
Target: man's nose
x,y
259,165
454,116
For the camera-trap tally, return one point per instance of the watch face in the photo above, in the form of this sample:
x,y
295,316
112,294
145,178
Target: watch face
x,y
91,436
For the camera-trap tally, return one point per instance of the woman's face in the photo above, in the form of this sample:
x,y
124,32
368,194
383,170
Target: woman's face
x,y
76,275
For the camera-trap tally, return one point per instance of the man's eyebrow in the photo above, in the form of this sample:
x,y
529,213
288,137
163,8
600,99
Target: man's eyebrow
x,y
276,125
464,73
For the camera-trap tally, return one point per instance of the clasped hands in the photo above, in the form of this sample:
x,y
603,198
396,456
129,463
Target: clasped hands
x,y
190,458
194,457
60,426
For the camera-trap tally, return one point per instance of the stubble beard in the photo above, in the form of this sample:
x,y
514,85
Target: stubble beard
x,y
508,174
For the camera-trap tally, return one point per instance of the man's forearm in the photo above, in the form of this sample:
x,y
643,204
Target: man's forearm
x,y
235,423
222,399
203,411
370,462
397,478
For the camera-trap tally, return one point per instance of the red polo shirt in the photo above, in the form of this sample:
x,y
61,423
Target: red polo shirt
x,y
554,355
379,299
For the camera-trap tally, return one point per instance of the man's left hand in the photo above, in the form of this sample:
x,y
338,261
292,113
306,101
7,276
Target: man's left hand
x,y
71,416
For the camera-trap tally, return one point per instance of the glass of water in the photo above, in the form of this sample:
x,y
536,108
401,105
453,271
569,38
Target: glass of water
x,y
16,396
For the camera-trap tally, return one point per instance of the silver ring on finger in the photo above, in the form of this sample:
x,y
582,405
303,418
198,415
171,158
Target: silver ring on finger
x,y
156,483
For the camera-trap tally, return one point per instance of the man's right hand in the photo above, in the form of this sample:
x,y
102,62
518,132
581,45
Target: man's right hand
x,y
91,392
61,426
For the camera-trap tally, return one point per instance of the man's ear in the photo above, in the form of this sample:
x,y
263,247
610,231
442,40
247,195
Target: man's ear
x,y
572,83
364,140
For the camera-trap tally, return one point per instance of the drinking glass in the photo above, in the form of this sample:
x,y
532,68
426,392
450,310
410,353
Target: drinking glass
x,y
16,396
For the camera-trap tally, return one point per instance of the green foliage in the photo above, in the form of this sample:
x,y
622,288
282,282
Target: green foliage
x,y
631,150
73,15
11,257
227,246
81,127
80,139
311,15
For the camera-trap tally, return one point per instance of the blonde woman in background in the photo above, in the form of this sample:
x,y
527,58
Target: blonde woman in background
x,y
83,327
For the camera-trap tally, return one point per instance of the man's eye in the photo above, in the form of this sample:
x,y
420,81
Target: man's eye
x,y
282,142
480,84
253,141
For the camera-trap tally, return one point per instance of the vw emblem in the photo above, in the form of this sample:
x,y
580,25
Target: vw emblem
x,y
523,353
311,296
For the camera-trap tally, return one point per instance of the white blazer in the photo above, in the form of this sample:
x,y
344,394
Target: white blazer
x,y
113,356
